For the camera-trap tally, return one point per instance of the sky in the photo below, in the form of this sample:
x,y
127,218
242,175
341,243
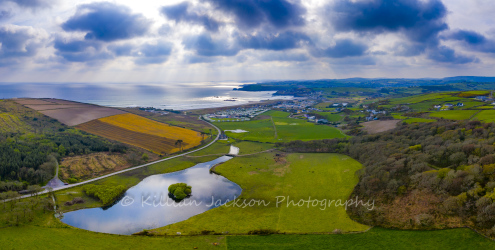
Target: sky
x,y
243,40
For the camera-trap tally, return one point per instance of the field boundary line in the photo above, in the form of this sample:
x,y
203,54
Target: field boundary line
x,y
274,128
470,118
121,171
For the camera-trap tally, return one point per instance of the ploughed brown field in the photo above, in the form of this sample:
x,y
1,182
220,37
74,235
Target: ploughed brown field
x,y
56,106
68,112
117,125
76,116
156,144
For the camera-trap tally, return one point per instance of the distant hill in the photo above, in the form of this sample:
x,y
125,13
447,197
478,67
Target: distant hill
x,y
363,83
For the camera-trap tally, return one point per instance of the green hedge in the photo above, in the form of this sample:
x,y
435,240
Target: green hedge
x,y
105,193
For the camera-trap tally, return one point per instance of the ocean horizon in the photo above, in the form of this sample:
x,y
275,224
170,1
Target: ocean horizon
x,y
186,96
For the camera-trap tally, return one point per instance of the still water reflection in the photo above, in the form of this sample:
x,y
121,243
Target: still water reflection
x,y
147,205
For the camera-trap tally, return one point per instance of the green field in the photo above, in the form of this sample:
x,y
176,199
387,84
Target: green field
x,y
485,116
399,116
485,107
474,93
260,130
331,117
454,114
275,113
33,237
418,98
289,129
376,238
415,120
265,176
280,128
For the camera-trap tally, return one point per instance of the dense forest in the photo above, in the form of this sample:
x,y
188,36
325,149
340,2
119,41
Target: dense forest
x,y
31,147
423,175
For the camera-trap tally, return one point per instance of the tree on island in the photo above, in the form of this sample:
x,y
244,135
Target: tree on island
x,y
179,142
180,190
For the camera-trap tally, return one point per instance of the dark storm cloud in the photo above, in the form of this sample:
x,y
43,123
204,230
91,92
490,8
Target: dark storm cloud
x,y
204,45
473,40
32,3
448,55
268,41
420,21
342,48
107,22
153,53
181,13
256,13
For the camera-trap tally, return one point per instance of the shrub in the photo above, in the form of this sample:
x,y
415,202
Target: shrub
x,y
180,190
424,220
263,232
105,193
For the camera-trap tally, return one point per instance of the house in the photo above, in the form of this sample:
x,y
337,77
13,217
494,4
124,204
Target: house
x,y
460,104
223,136
344,104
336,104
481,98
450,105
322,121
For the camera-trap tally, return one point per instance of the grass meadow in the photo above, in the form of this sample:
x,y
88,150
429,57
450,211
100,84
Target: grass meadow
x,y
417,120
376,238
454,114
280,128
265,176
485,116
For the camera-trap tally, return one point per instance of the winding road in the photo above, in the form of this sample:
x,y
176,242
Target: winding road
x,y
121,171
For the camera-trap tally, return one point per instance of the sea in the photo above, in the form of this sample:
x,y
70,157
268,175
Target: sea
x,y
183,96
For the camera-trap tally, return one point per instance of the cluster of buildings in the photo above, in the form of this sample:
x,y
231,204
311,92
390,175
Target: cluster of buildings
x,y
154,111
238,114
373,113
297,106
448,106
344,104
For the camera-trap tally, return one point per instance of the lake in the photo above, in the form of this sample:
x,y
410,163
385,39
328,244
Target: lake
x,y
147,205
178,97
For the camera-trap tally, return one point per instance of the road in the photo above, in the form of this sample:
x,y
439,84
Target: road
x,y
121,171
55,182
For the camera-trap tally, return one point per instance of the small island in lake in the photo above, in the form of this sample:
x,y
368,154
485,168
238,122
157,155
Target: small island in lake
x,y
179,191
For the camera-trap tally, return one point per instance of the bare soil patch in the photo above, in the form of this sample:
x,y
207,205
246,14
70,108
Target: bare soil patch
x,y
68,112
76,116
374,127
56,106
33,102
